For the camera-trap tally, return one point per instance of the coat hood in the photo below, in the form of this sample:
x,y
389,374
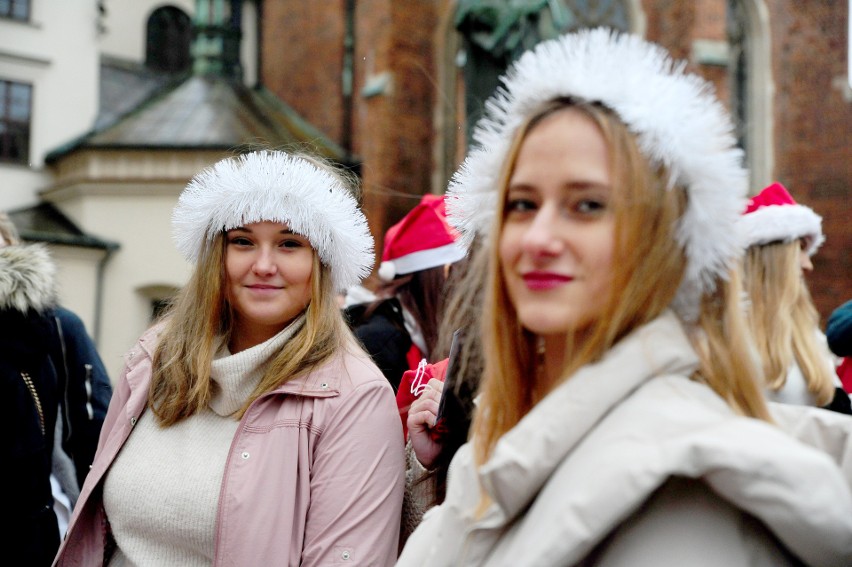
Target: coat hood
x,y
27,278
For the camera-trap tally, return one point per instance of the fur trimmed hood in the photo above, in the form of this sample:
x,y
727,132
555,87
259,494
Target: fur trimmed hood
x,y
27,278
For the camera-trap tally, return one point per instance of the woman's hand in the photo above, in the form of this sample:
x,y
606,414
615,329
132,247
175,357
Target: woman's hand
x,y
421,422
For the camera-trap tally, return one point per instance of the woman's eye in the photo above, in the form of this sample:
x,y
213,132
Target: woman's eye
x,y
520,205
590,206
239,241
291,244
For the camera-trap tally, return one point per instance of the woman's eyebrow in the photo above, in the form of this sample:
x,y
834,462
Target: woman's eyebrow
x,y
245,229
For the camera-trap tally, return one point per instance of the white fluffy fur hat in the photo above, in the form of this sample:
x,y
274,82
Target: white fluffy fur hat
x,y
675,116
278,187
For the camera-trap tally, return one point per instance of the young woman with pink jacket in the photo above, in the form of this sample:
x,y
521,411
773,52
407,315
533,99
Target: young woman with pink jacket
x,y
248,426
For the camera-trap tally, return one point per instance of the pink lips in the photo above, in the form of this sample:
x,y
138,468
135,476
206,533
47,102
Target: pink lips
x,y
263,287
542,281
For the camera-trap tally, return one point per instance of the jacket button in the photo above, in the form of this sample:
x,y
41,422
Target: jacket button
x,y
345,555
324,385
132,421
245,455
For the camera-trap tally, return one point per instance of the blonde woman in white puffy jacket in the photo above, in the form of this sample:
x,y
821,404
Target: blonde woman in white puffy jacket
x,y
621,418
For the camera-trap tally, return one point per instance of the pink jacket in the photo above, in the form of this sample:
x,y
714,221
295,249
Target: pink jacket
x,y
314,476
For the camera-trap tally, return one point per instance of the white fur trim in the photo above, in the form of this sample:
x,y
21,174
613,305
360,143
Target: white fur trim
x,y
275,186
782,223
27,278
676,118
421,260
387,271
358,294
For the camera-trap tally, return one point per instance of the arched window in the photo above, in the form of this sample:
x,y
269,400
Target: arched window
x,y
495,33
168,39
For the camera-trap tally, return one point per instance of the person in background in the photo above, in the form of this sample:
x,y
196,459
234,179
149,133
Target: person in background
x,y
780,237
400,327
429,448
72,459
620,418
838,331
248,425
55,394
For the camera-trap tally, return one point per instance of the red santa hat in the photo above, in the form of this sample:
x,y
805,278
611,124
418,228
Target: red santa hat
x,y
423,239
773,215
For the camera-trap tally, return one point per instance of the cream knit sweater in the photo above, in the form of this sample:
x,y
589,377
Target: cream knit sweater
x,y
162,492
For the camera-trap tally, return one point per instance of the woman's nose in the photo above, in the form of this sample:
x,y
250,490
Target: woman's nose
x,y
805,262
540,237
264,263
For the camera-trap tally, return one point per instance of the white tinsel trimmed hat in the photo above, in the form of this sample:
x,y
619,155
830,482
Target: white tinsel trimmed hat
x,y
675,116
279,187
774,216
423,239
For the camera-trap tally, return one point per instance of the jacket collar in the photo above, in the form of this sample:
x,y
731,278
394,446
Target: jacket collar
x,y
27,278
323,381
525,456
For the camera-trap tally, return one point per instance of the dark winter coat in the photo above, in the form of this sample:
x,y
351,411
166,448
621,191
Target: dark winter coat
x,y
838,330
47,361
380,327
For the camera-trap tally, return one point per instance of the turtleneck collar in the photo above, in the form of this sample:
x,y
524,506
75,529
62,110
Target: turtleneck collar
x,y
235,376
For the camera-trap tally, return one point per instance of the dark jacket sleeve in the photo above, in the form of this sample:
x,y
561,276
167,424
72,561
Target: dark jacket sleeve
x,y
841,403
838,330
87,393
30,394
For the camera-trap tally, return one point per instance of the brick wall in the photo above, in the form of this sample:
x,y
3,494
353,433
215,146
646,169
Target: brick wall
x,y
393,131
393,127
302,59
393,88
812,113
813,121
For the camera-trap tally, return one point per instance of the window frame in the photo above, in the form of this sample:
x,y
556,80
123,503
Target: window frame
x,y
11,126
13,5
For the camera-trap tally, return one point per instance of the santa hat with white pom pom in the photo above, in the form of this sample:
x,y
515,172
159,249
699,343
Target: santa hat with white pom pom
x,y
774,216
423,239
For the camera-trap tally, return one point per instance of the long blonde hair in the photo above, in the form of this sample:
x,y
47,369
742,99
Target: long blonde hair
x,y
201,317
783,319
650,264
